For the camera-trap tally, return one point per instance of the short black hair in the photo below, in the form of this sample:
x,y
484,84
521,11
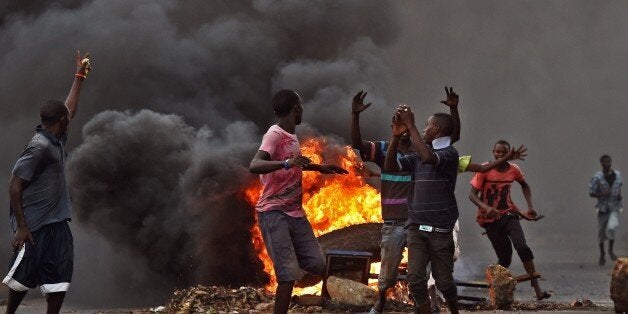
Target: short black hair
x,y
52,111
446,123
502,142
605,157
283,102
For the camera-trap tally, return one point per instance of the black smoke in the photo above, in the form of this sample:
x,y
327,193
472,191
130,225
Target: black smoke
x,y
150,182
174,110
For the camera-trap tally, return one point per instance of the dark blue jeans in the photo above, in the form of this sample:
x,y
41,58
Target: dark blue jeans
x,y
435,247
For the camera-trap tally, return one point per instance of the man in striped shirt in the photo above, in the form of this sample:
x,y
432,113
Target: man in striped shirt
x,y
433,210
396,189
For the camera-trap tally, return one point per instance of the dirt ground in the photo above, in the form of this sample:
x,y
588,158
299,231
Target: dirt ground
x,y
569,268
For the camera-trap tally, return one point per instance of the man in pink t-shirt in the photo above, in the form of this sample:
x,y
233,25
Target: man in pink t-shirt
x,y
287,233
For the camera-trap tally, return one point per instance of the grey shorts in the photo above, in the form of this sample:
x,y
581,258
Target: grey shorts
x,y
291,244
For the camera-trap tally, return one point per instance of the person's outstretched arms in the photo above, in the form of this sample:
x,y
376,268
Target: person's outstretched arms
x,y
514,154
261,163
325,169
452,102
357,106
83,67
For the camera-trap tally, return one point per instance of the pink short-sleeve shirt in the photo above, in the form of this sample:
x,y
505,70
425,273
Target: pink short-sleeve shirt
x,y
282,188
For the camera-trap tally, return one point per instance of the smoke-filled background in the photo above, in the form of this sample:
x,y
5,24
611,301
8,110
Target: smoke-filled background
x,y
179,98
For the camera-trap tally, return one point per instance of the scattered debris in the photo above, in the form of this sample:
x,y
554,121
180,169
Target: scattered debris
x,y
201,299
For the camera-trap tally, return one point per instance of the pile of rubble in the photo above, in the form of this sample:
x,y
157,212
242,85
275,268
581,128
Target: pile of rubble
x,y
202,299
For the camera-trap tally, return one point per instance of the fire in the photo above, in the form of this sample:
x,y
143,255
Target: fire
x,y
331,202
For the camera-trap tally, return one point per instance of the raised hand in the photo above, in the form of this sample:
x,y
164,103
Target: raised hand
x,y
83,66
357,105
398,128
452,98
405,115
518,153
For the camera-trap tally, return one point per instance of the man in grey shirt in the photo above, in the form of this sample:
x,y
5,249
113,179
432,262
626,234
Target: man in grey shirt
x,y
40,205
606,187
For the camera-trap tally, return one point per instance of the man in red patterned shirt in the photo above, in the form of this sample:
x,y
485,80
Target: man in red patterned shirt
x,y
497,213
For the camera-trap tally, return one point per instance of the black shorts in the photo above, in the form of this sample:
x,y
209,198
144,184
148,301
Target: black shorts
x,y
48,263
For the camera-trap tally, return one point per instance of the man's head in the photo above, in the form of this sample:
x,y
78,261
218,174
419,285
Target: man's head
x,y
287,102
501,149
54,114
438,125
606,162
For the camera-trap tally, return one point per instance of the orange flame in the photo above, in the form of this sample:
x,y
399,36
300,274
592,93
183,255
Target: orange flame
x,y
331,202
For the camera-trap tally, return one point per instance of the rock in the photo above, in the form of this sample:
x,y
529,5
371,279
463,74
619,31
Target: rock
x,y
619,285
502,286
350,292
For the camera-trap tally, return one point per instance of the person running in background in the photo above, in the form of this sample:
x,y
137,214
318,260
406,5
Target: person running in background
x,y
286,231
606,187
497,213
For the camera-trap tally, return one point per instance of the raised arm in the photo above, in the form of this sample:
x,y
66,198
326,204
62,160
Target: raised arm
x,y
82,68
518,153
406,116
398,128
357,106
452,103
16,190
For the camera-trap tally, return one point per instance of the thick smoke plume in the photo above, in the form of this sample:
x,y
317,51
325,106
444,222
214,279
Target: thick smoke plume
x,y
150,182
164,155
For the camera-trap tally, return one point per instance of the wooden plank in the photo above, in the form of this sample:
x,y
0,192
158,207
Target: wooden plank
x,y
527,277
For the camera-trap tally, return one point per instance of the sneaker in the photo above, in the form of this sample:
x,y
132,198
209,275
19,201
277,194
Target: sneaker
x,y
602,261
